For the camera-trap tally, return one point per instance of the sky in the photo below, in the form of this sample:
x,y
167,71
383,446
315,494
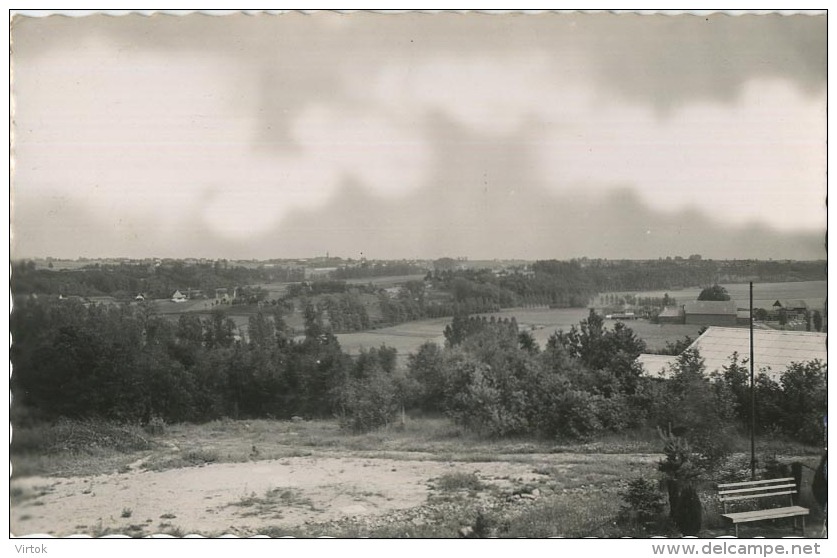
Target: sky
x,y
419,136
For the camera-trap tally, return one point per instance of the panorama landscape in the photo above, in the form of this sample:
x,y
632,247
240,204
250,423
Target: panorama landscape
x,y
399,275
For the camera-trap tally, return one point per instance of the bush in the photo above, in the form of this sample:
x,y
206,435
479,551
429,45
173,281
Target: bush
x,y
688,512
368,403
451,482
156,426
569,414
804,402
642,499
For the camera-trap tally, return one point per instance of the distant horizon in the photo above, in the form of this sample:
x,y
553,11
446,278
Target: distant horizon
x,y
356,259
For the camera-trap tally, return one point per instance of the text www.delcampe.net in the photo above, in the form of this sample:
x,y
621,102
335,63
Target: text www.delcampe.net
x,y
743,549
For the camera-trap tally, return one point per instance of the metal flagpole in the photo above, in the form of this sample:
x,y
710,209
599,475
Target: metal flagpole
x,y
752,395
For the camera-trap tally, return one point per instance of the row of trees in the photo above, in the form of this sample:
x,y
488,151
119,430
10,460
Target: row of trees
x,y
496,380
126,363
155,281
378,269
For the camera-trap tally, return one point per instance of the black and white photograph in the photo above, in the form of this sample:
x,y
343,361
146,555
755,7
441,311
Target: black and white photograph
x,y
425,275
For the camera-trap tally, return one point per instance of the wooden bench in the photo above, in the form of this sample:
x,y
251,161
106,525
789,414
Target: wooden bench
x,y
749,490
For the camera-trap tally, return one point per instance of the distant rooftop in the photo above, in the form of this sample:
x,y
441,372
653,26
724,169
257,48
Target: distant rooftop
x,y
773,350
710,307
670,312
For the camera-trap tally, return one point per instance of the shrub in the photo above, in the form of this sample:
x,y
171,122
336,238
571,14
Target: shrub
x,y
643,499
368,403
156,426
819,486
451,482
688,512
569,414
804,402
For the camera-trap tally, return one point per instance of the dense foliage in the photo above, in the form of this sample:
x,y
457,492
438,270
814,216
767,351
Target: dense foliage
x,y
715,292
124,362
155,280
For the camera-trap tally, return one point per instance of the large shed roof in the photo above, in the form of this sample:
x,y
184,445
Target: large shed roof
x,y
718,307
773,350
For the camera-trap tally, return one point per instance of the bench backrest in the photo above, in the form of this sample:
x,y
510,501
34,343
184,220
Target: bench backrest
x,y
732,491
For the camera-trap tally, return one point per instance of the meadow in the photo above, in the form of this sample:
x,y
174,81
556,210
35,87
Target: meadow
x,y
541,322
814,293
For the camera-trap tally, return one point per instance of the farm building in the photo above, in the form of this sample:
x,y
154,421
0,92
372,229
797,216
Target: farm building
x,y
671,315
178,297
773,350
621,316
794,308
710,312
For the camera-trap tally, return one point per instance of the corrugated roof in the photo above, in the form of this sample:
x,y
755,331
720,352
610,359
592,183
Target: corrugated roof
x,y
773,350
711,307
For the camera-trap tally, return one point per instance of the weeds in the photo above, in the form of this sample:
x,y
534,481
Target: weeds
x,y
459,481
191,458
272,502
88,436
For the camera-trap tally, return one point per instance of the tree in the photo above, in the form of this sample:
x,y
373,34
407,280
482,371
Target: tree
x,y
690,404
427,368
783,317
817,320
715,292
804,401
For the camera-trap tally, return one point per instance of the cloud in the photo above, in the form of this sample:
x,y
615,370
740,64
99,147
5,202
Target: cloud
x,y
761,158
232,128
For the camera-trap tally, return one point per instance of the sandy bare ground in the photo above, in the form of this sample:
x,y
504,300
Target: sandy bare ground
x,y
241,498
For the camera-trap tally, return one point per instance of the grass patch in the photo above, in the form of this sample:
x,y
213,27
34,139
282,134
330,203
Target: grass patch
x,y
459,481
589,514
75,447
272,502
190,458
89,437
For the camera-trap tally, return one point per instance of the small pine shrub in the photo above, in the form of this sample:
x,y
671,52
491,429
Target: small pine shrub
x,y
642,499
688,511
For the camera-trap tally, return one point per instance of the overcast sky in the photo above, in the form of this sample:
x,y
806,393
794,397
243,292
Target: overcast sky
x,y
420,136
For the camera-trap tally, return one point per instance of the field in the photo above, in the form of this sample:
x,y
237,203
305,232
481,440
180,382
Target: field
x,y
425,478
541,322
764,294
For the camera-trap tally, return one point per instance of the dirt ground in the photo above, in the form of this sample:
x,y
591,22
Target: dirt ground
x,y
241,498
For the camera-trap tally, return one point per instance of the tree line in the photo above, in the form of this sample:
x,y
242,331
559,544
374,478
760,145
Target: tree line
x,y
125,363
126,280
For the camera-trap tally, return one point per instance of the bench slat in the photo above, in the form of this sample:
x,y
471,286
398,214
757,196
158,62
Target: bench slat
x,y
749,496
757,489
749,483
758,515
